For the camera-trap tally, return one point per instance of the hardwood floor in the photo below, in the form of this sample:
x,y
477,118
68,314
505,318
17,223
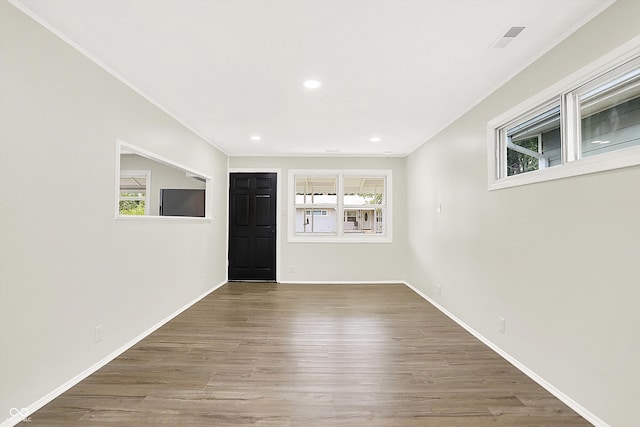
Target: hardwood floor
x,y
308,355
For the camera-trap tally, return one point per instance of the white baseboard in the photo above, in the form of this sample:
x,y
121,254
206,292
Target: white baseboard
x,y
581,410
18,415
343,282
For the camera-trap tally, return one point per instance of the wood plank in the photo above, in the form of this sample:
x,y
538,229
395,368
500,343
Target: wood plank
x,y
308,355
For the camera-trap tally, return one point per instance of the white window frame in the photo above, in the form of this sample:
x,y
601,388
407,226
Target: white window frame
x,y
503,140
340,236
573,164
147,192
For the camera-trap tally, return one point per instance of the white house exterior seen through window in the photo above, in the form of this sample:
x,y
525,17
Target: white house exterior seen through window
x,y
340,205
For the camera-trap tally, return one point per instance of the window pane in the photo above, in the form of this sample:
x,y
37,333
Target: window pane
x,y
360,190
518,162
133,182
133,196
316,220
132,207
610,115
534,144
316,190
363,221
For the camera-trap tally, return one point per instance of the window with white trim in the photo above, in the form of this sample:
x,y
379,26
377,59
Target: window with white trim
x,y
316,193
532,143
340,205
608,110
587,126
363,204
134,192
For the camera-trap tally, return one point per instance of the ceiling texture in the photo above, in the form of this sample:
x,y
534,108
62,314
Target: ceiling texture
x,y
393,73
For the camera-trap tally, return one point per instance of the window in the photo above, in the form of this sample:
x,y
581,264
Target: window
x,y
584,126
363,204
533,144
134,192
609,112
340,205
314,192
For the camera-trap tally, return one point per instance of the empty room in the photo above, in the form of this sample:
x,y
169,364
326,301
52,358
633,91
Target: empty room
x,y
319,212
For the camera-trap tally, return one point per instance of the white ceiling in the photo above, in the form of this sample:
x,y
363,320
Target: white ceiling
x,y
400,70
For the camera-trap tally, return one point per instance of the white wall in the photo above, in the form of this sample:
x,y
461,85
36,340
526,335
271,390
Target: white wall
x,y
337,262
558,260
66,265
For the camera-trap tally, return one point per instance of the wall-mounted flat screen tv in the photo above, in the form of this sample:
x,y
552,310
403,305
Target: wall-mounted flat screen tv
x,y
181,202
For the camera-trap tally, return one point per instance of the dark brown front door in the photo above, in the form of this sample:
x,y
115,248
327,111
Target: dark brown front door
x,y
252,226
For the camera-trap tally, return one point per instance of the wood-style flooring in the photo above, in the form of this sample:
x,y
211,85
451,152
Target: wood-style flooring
x,y
308,355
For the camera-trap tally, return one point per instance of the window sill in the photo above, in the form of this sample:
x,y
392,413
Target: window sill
x,y
162,218
342,239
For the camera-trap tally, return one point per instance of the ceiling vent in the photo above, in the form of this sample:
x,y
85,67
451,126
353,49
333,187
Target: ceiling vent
x,y
511,34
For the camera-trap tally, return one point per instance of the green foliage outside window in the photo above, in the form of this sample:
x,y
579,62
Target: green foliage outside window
x,y
519,162
132,206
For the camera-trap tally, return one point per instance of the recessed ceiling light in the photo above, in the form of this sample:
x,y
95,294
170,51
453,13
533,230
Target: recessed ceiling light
x,y
256,137
331,150
375,139
388,153
312,84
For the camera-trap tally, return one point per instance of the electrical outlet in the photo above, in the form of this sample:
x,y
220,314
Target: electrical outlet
x,y
98,334
501,325
439,208
439,289
292,269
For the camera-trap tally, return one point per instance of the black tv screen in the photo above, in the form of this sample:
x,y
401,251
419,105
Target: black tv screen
x,y
181,202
